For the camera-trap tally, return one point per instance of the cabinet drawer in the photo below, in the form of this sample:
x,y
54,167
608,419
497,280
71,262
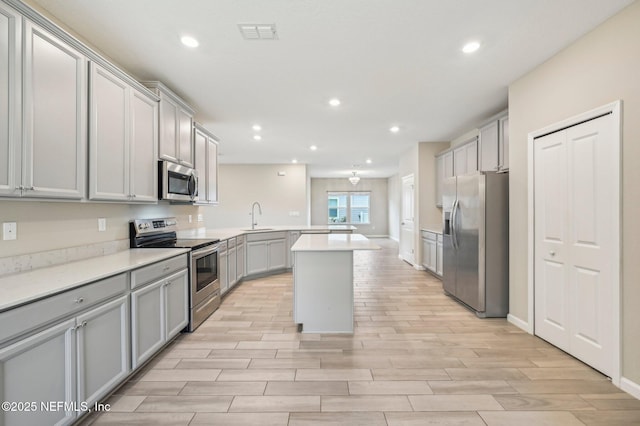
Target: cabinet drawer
x,y
265,236
160,269
427,235
439,238
30,316
231,242
240,239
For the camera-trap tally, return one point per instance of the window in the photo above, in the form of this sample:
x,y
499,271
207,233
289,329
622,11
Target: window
x,y
349,207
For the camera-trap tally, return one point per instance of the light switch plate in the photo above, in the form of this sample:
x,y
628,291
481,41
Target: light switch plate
x,y
9,231
102,224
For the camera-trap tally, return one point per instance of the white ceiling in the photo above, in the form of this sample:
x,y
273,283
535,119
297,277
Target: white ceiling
x,y
391,62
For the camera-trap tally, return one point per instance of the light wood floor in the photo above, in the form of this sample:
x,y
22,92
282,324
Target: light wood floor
x,y
416,358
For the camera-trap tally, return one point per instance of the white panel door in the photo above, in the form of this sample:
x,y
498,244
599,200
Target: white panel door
x,y
407,225
575,181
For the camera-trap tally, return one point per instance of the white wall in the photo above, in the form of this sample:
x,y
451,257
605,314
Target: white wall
x,y
379,216
393,206
430,216
242,184
597,69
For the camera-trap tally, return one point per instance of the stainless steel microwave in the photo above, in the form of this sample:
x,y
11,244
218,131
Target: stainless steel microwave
x,y
176,182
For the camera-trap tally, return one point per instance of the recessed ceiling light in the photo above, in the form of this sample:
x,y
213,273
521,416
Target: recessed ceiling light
x,y
313,147
294,161
189,41
334,102
256,127
394,129
257,137
471,47
368,160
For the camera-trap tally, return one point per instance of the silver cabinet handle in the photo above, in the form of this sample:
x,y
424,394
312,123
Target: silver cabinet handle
x,y
83,324
166,268
79,300
552,253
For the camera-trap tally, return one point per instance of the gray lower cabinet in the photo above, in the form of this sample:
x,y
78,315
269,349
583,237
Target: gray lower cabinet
x,y
232,265
432,251
240,258
266,252
48,356
102,339
77,362
439,255
159,311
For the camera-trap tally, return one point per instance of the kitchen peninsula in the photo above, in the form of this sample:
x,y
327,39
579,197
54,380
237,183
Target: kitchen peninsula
x,y
323,281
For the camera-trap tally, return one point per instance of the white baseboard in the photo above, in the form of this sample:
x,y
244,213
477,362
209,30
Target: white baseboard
x,y
630,387
520,323
377,236
419,268
394,239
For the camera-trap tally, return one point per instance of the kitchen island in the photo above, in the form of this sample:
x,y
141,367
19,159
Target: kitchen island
x,y
323,281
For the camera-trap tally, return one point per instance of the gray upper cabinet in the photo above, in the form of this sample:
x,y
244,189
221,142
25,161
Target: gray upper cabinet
x,y
465,158
503,145
488,147
176,124
494,145
122,140
10,100
206,162
42,143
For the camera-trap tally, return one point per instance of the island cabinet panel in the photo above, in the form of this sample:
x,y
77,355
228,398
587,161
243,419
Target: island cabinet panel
x,y
323,291
55,132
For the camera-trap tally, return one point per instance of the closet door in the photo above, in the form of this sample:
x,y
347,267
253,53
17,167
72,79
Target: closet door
x,y
575,179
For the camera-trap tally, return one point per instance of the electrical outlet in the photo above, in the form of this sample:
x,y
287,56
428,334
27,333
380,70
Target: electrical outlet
x,y
190,217
9,231
102,224
200,218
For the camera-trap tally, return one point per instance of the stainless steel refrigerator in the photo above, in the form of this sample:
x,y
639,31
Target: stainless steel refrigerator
x,y
476,241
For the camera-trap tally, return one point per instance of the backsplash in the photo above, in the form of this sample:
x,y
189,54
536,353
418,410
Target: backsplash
x,y
26,262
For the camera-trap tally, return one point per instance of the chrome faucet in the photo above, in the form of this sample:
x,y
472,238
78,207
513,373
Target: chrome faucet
x,y
253,221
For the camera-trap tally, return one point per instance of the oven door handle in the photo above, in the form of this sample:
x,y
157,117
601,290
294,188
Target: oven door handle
x,y
204,251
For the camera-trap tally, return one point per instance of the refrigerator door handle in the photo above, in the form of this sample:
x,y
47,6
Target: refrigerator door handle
x,y
454,216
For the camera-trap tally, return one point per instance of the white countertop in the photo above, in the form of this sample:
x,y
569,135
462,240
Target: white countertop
x,y
24,287
333,242
226,233
434,230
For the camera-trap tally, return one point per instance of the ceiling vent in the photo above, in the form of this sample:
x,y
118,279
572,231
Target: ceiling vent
x,y
258,31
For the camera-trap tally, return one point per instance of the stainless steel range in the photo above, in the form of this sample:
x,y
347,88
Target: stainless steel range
x,y
204,297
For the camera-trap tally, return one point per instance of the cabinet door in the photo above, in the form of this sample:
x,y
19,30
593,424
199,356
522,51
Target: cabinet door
x,y
232,266
168,147
10,96
460,161
144,148
257,257
504,143
240,261
433,262
449,170
439,257
293,237
55,120
103,349
108,136
212,171
48,356
425,253
277,254
176,296
471,156
222,272
488,147
439,179
147,322
200,160
185,147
